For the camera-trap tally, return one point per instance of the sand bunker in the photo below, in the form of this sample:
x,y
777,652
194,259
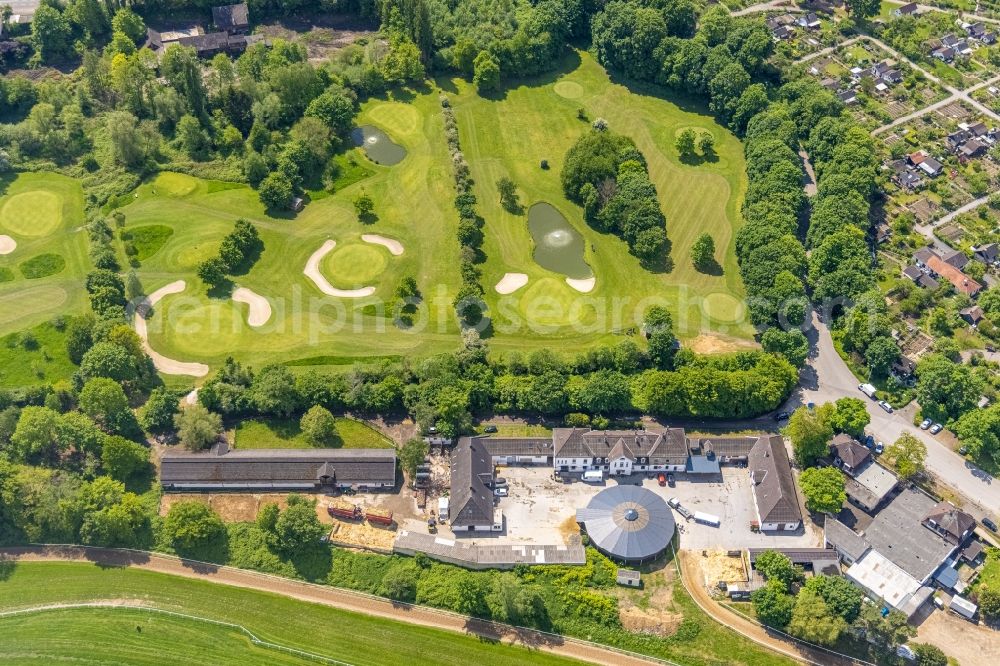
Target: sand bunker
x,y
260,308
165,365
583,286
313,273
394,246
511,282
7,245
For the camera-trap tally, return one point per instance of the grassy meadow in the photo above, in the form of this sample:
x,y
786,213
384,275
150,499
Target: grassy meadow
x,y
510,134
110,636
286,434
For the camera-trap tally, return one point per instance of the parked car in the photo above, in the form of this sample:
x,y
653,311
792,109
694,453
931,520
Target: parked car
x,y
869,441
884,405
490,429
499,482
501,492
879,447
925,424
661,479
782,416
670,480
674,502
988,522
936,428
963,449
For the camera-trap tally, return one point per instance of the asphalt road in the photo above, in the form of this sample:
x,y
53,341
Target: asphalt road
x,y
826,378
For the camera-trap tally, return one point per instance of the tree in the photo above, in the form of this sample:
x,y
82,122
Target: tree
x,y
776,566
157,415
823,488
772,604
190,526
706,143
192,137
104,401
884,633
197,428
658,326
212,272
907,455
276,191
364,206
508,194
335,107
863,9
810,432
319,426
842,596
273,391
50,33
946,389
929,655
413,454
989,602
122,458
400,583
38,436
267,517
685,143
128,22
812,620
703,252
486,71
793,344
298,526
881,353
851,416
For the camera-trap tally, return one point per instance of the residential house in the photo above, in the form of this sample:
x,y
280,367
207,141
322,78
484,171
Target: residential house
x,y
870,486
234,19
988,254
471,507
776,502
909,9
810,21
950,522
930,166
971,315
833,85
988,38
782,33
619,452
944,53
883,232
847,96
904,367
517,450
849,454
921,278
276,470
908,180
952,257
887,73
975,30
962,282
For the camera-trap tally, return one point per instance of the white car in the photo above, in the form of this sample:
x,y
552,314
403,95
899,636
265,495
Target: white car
x,y
501,492
884,405
936,428
925,424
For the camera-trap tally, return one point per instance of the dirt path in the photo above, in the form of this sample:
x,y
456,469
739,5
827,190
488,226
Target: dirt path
x,y
330,596
692,577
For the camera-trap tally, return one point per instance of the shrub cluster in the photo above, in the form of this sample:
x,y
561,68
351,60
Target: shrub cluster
x,y
237,254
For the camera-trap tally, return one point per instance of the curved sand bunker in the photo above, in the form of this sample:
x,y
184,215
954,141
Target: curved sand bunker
x,y
511,282
394,246
313,273
260,307
7,245
583,286
165,365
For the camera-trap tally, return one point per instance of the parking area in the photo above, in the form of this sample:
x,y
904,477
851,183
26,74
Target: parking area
x,y
542,510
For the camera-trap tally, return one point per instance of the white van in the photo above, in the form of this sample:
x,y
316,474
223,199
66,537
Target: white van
x,y
593,476
707,519
868,390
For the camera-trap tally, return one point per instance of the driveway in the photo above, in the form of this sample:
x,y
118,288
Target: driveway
x,y
826,378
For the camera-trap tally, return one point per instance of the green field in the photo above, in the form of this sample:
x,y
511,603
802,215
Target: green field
x,y
511,135
34,356
286,434
43,213
110,636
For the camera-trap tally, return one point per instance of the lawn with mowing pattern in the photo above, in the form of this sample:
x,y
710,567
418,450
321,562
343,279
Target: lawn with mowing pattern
x,y
286,434
103,636
44,275
511,134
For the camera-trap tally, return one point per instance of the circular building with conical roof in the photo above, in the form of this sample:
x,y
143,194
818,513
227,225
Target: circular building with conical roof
x,y
628,523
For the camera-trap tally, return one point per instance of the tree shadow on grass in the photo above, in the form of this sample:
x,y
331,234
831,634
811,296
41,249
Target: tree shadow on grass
x,y
697,160
249,259
7,567
567,64
713,268
663,263
313,563
223,290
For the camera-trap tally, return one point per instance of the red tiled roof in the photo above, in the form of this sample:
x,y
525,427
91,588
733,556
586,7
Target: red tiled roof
x,y
962,282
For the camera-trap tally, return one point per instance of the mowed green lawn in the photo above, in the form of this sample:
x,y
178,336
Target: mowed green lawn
x,y
413,205
110,636
286,434
512,134
44,275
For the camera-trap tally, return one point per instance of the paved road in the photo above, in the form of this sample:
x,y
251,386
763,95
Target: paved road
x,y
827,378
329,596
958,96
774,5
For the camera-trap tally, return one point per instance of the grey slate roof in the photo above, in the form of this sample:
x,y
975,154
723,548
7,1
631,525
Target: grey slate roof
x,y
897,532
723,447
628,523
839,535
668,446
773,485
950,520
277,467
850,451
516,446
471,477
231,17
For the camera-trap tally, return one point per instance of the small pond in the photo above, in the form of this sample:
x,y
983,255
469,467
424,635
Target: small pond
x,y
558,246
377,145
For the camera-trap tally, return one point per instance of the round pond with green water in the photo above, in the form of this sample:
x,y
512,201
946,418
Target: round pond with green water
x,y
355,265
377,145
558,246
33,214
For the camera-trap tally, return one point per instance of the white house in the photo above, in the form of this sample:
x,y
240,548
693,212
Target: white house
x,y
619,452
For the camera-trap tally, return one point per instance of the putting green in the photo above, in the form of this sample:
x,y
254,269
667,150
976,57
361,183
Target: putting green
x,y
569,89
721,307
175,184
35,213
209,328
355,265
549,301
396,118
